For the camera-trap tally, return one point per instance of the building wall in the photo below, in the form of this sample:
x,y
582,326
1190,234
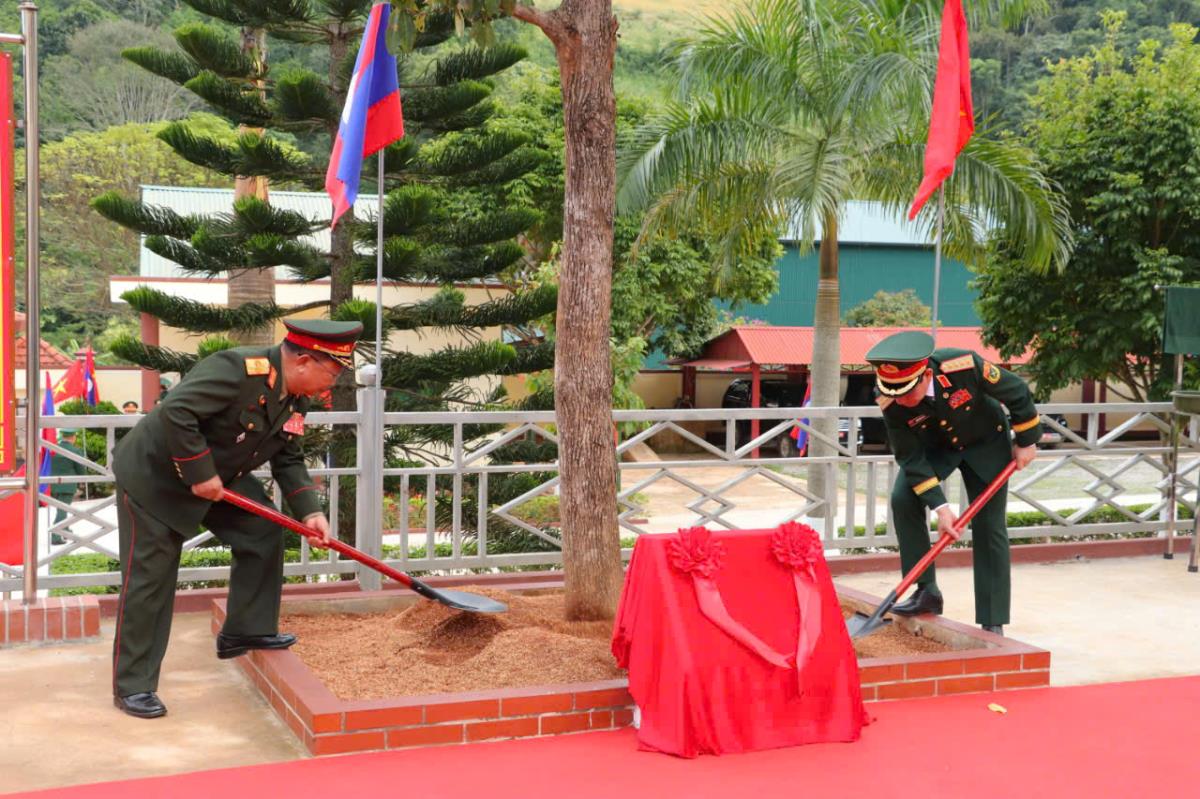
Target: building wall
x,y
862,271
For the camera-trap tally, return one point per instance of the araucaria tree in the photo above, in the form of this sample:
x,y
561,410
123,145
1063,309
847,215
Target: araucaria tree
x,y
447,220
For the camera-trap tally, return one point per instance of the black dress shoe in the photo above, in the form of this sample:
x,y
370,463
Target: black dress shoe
x,y
923,601
145,705
998,629
230,646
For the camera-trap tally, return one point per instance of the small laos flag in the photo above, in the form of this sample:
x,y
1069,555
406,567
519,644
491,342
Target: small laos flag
x,y
372,118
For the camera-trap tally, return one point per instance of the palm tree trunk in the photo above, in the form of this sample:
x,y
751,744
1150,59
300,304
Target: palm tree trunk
x,y
584,33
252,286
826,368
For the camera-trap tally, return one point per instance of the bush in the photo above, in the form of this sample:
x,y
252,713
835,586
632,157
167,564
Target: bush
x,y
91,562
1035,518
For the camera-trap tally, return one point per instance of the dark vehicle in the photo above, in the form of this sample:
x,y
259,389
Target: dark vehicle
x,y
1051,437
784,394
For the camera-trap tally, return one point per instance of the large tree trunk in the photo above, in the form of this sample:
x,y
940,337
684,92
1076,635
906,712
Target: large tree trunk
x,y
584,35
826,368
252,286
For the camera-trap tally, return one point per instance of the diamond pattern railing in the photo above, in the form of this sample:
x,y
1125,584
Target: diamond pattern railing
x,y
698,471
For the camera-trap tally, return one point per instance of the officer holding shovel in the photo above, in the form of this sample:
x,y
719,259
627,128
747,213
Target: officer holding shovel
x,y
942,410
234,411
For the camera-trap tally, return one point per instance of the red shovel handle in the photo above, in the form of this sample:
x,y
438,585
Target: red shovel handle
x,y
960,525
270,514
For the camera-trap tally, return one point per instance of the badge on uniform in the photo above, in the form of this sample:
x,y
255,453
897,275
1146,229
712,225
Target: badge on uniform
x,y
960,397
257,366
294,425
240,438
991,372
943,381
916,420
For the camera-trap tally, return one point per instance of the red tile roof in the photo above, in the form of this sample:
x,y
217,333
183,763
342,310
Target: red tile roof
x,y
793,346
51,357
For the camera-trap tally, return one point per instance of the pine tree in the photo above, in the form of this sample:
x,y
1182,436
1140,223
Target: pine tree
x,y
447,221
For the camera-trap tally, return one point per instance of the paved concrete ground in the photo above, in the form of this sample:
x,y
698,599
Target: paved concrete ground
x,y
58,725
1104,620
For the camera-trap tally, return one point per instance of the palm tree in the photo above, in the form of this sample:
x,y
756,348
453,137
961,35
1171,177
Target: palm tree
x,y
787,109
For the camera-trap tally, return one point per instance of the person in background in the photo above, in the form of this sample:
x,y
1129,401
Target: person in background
x,y
62,466
129,407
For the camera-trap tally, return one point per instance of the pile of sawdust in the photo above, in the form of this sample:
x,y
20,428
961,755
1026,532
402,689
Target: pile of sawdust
x,y
429,648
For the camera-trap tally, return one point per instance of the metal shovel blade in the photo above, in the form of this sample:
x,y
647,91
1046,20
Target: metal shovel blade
x,y
861,625
460,600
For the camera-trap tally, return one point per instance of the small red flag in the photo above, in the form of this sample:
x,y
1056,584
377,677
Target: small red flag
x,y
952,120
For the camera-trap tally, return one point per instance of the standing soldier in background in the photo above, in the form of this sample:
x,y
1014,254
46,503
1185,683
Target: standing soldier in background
x,y
62,466
942,409
234,411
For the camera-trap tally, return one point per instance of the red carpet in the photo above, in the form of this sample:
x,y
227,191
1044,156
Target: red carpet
x,y
1112,740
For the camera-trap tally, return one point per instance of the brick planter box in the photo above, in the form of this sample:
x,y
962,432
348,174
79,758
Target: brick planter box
x,y
65,618
328,725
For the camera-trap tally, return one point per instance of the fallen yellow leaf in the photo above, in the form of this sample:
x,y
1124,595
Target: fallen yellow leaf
x,y
997,708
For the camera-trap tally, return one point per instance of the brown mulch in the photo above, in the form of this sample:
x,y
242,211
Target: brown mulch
x,y
893,641
428,648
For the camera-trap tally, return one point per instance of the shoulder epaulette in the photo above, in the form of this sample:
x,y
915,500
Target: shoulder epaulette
x,y
257,366
959,364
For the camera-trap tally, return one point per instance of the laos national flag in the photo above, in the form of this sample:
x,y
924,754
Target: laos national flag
x,y
372,118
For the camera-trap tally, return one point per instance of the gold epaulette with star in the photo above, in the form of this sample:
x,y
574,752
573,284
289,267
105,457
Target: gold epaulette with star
x,y
959,364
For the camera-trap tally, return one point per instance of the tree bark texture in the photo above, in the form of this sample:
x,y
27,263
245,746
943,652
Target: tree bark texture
x,y
252,286
584,33
826,368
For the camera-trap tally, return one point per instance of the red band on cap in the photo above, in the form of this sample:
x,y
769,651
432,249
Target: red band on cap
x,y
319,345
891,373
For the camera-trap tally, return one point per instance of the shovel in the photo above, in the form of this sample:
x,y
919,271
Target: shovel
x,y
861,625
460,600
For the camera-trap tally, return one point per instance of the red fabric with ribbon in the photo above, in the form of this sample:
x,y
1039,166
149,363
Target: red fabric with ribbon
x,y
706,617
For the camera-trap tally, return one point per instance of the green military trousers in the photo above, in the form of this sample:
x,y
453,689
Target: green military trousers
x,y
979,465
150,551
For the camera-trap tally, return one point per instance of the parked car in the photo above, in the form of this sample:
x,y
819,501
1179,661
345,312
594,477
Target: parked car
x,y
780,393
1051,438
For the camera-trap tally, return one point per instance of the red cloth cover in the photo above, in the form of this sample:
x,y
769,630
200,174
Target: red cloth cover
x,y
711,628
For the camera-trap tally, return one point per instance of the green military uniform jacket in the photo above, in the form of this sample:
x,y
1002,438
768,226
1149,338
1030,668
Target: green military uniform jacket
x,y
964,410
226,418
62,466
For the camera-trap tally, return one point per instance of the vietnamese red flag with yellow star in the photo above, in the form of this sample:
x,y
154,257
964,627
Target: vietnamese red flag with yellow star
x,y
952,120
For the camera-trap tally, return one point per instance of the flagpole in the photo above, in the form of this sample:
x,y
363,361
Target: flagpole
x,y
379,393
937,261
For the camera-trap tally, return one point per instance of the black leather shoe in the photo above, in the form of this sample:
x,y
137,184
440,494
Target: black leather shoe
x,y
923,601
145,705
230,646
998,629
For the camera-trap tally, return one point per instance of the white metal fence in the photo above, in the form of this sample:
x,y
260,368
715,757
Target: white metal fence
x,y
456,509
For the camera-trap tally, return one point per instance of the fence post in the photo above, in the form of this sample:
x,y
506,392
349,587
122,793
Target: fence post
x,y
368,497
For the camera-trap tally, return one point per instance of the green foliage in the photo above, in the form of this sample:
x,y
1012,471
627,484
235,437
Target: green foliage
x,y
1116,129
890,309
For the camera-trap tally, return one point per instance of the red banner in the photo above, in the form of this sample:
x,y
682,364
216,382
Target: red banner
x,y
8,331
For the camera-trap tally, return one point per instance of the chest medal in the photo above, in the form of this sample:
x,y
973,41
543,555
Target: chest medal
x,y
959,398
294,425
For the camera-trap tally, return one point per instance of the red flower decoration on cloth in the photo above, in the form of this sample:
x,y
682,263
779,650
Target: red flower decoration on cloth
x,y
694,552
797,546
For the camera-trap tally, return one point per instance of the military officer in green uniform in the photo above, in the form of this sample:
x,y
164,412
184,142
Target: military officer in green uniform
x,y
942,410
62,466
234,411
